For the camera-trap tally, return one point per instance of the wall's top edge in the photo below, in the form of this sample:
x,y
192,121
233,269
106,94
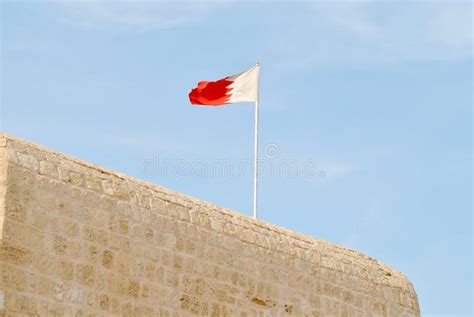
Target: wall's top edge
x,y
3,139
381,274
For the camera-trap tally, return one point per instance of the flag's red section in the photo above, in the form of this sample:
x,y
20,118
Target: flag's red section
x,y
211,93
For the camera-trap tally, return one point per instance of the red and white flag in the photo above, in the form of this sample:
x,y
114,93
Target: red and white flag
x,y
236,88
240,87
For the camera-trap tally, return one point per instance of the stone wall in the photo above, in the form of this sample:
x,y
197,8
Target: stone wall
x,y
79,240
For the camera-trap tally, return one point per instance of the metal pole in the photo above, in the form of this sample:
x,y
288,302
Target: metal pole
x,y
255,163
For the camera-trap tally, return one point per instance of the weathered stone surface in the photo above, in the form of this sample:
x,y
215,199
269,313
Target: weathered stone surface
x,y
79,240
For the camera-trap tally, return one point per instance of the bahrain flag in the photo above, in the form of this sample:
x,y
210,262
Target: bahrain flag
x,y
236,88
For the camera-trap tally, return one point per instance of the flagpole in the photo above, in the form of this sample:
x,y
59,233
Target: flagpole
x,y
255,162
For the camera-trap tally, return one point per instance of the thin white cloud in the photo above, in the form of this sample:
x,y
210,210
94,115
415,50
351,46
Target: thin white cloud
x,y
349,17
133,15
378,32
336,170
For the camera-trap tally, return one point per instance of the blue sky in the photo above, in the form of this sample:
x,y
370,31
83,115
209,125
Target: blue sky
x,y
377,95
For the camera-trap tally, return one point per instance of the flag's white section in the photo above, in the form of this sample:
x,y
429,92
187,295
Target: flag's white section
x,y
244,86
